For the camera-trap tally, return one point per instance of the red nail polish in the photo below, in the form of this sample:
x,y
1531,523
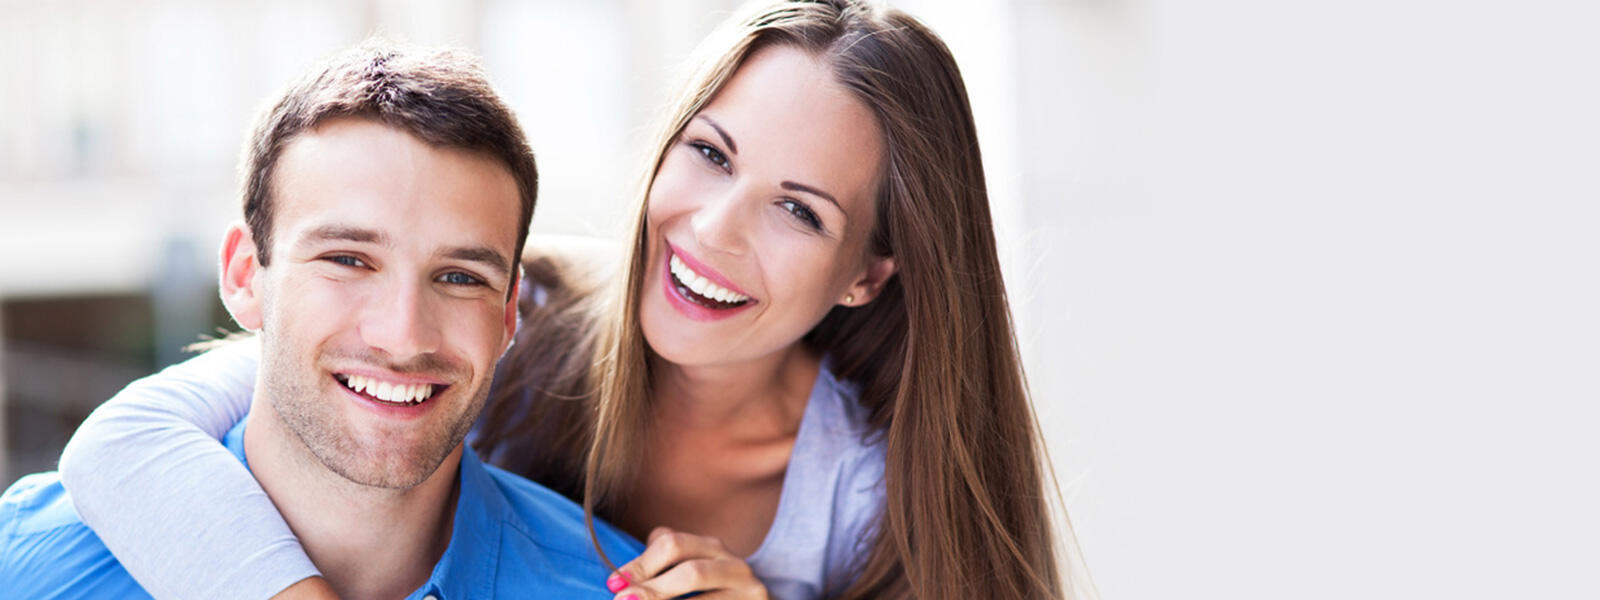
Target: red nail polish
x,y
616,582
630,597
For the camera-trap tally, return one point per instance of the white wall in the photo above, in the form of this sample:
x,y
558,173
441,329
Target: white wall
x,y
1318,304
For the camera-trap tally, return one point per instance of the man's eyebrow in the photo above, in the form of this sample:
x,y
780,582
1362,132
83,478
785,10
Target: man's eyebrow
x,y
800,187
483,255
732,147
345,233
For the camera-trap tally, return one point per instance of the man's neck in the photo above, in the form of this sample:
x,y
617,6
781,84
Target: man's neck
x,y
368,542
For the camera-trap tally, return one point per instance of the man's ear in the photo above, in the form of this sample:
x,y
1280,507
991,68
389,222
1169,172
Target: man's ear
x,y
238,285
879,270
511,307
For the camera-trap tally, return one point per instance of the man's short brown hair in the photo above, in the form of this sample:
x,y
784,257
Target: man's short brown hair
x,y
439,95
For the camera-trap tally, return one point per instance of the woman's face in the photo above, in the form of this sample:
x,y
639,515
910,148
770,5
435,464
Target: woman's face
x,y
760,214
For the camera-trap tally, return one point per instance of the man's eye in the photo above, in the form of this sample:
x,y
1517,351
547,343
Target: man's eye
x,y
346,260
712,155
459,278
800,211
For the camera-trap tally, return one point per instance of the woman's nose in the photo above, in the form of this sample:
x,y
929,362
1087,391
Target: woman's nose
x,y
722,223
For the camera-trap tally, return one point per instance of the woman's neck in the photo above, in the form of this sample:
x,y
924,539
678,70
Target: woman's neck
x,y
770,390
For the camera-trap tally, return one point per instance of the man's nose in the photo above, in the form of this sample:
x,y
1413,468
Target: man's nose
x,y
722,222
401,324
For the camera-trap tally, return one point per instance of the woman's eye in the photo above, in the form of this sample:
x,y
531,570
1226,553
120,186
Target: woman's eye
x,y
459,278
800,211
712,155
346,260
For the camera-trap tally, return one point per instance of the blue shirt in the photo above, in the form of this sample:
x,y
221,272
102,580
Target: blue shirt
x,y
512,538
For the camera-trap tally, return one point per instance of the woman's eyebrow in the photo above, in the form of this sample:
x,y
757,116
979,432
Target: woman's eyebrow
x,y
788,185
800,187
732,147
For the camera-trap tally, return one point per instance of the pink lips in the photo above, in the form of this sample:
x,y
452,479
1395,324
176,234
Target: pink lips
x,y
687,307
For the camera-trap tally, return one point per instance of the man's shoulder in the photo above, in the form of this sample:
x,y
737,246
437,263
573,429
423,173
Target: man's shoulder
x,y
545,518
47,552
36,503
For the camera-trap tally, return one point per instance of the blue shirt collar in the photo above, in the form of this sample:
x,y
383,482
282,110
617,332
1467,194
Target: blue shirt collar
x,y
467,569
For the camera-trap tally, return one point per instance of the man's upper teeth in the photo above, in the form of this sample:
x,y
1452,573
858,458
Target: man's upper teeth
x,y
700,285
387,391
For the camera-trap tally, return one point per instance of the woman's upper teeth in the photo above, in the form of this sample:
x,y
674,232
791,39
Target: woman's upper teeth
x,y
388,391
700,285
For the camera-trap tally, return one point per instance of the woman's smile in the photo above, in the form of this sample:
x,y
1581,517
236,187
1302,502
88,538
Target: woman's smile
x,y
697,291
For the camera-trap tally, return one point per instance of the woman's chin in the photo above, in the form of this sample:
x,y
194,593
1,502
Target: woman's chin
x,y
669,340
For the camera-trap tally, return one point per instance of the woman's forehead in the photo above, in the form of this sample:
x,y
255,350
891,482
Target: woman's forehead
x,y
784,109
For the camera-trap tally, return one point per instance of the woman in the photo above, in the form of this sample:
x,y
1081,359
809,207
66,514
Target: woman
x,y
812,308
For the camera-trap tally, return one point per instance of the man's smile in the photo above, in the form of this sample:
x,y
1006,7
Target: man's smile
x,y
390,391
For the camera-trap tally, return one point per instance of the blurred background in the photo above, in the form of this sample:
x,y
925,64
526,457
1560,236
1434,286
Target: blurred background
x,y
1306,291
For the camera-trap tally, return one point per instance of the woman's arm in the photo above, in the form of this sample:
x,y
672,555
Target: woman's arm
x,y
178,510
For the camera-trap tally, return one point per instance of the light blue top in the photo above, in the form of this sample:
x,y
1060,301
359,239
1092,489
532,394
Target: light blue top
x,y
511,538
188,521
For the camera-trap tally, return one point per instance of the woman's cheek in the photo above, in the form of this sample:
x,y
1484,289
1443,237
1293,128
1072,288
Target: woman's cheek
x,y
801,274
674,187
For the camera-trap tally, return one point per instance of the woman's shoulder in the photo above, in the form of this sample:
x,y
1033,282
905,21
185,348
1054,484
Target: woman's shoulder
x,y
837,469
841,434
837,404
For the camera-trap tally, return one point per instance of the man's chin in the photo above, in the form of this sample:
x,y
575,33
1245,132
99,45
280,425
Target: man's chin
x,y
373,448
393,469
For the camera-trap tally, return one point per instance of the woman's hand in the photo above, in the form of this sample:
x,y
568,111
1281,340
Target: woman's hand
x,y
675,563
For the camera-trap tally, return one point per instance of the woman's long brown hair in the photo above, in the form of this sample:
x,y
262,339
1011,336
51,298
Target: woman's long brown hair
x,y
934,355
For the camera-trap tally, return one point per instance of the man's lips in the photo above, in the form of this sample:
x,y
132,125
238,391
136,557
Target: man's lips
x,y
392,389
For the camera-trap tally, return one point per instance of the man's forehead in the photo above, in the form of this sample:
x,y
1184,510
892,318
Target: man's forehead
x,y
353,175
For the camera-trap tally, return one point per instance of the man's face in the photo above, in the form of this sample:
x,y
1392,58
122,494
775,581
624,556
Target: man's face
x,y
385,305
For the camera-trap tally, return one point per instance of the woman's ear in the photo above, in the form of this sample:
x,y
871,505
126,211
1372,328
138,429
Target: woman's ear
x,y
238,285
871,282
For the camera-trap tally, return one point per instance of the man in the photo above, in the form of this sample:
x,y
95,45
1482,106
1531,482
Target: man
x,y
386,200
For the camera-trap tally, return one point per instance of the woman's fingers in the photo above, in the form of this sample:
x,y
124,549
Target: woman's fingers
x,y
657,532
667,548
728,574
715,577
675,563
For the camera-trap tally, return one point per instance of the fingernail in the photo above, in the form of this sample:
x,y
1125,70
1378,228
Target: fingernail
x,y
630,597
616,582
